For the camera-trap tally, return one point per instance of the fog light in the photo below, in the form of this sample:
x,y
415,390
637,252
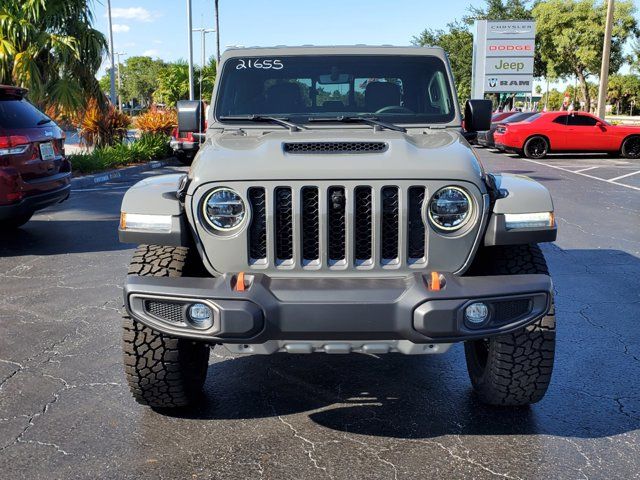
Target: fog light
x,y
476,313
200,315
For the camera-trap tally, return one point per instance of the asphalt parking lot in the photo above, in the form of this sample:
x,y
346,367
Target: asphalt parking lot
x,y
65,411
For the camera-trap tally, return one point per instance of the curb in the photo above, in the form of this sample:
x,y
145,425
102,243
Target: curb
x,y
102,177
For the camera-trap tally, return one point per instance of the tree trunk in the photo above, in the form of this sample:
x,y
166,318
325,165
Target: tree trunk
x,y
584,88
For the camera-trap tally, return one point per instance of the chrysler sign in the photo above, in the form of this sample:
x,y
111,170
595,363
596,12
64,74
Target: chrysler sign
x,y
503,57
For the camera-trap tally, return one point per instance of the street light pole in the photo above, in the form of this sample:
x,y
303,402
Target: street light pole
x,y
119,80
604,71
190,42
215,3
203,32
112,73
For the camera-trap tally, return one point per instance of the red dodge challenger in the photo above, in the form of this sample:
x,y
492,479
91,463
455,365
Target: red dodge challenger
x,y
567,132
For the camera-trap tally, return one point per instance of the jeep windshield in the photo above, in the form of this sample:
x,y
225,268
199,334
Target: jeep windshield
x,y
307,88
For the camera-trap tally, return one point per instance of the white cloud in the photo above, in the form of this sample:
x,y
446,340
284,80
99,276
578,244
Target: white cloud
x,y
133,13
150,53
158,42
118,28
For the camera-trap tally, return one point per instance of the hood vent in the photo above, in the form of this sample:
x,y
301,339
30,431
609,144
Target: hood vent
x,y
335,147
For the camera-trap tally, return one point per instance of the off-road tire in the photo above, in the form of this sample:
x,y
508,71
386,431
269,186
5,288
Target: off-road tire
x,y
536,147
631,147
15,222
513,369
162,371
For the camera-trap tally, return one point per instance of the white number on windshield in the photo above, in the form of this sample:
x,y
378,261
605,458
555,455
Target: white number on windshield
x,y
262,63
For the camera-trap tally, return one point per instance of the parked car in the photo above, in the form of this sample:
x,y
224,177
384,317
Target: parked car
x,y
486,139
473,140
548,132
34,172
499,116
184,146
318,218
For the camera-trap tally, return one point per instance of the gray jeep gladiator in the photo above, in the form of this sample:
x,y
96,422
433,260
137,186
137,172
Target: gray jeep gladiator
x,y
336,206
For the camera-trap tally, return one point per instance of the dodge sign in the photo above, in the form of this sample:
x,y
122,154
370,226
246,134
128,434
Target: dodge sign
x,y
503,57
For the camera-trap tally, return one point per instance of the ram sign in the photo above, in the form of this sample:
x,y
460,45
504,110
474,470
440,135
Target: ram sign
x,y
503,57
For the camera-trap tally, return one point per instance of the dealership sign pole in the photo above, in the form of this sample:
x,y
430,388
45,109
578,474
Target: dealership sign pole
x,y
503,57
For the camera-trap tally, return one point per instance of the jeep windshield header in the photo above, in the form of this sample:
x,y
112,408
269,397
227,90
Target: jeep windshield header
x,y
396,89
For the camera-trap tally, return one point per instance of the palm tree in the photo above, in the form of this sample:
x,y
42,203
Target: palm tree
x,y
51,48
173,82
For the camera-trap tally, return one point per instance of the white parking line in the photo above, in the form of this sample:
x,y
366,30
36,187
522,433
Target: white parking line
x,y
623,176
585,169
582,174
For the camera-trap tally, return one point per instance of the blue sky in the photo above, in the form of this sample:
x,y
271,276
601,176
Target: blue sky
x,y
158,27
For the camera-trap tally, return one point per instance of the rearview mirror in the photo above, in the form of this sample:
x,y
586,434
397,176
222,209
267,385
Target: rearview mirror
x,y
333,79
477,115
191,116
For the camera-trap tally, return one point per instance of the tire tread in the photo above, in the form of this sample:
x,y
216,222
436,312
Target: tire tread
x,y
162,371
519,364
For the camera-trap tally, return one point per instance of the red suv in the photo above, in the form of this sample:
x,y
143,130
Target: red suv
x,y
34,172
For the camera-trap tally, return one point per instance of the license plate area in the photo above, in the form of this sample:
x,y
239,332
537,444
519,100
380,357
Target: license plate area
x,y
46,151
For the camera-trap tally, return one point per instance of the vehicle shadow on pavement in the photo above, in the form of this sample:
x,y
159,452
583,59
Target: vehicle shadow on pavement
x,y
41,237
593,392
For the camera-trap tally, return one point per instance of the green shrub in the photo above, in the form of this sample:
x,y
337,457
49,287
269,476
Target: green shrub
x,y
87,162
149,147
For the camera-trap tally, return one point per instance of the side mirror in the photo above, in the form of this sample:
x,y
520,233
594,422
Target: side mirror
x,y
477,115
191,116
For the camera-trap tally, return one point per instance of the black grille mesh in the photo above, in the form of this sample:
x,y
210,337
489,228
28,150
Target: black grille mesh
x,y
335,147
284,224
389,241
258,227
362,223
310,224
416,225
170,312
336,223
509,310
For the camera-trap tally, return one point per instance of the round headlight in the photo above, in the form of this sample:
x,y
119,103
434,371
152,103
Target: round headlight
x,y
223,209
450,208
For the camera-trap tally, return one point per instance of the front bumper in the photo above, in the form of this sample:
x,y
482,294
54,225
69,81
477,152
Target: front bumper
x,y
399,308
186,147
33,203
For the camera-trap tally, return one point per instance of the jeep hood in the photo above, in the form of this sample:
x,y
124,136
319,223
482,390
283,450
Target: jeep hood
x,y
435,154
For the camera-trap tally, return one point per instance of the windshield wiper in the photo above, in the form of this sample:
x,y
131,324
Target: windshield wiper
x,y
43,121
369,120
261,118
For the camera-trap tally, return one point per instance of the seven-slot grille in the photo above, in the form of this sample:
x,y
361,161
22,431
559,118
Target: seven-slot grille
x,y
334,226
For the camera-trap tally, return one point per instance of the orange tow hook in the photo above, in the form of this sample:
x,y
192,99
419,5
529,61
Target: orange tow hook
x,y
240,286
435,284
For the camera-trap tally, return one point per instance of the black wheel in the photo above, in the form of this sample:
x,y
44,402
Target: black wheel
x,y
162,371
15,222
536,147
513,369
631,147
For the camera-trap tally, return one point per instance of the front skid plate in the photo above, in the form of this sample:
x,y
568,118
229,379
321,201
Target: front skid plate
x,y
369,347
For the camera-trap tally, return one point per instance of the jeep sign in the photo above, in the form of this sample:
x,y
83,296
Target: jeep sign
x,y
503,57
510,65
